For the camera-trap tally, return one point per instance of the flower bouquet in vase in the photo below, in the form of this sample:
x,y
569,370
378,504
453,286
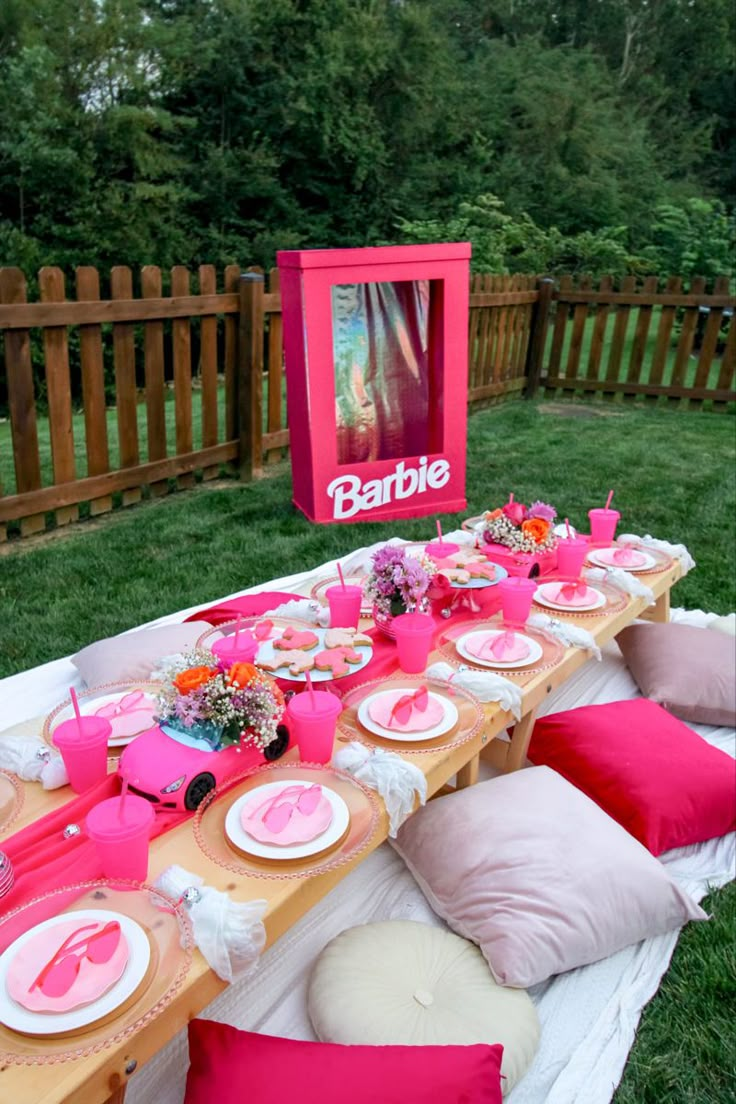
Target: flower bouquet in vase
x,y
398,583
518,537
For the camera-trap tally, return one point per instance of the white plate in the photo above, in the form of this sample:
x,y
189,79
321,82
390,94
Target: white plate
x,y
447,723
240,838
89,706
540,597
21,1019
595,558
267,650
535,650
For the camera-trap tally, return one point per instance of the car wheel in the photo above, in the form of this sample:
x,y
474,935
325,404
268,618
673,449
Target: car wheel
x,y
277,747
198,789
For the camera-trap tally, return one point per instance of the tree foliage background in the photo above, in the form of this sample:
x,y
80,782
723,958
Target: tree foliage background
x,y
557,134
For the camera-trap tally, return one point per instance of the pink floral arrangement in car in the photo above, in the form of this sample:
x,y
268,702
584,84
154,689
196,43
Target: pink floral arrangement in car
x,y
521,528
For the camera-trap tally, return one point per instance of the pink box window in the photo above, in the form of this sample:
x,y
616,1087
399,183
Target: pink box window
x,y
376,347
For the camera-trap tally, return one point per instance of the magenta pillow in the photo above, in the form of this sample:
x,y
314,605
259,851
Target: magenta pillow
x,y
690,671
228,1066
660,780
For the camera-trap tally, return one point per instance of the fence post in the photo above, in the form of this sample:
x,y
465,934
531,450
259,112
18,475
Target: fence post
x,y
250,375
535,356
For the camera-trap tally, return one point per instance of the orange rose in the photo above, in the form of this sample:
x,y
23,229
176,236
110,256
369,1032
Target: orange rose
x,y
193,678
536,528
493,515
240,674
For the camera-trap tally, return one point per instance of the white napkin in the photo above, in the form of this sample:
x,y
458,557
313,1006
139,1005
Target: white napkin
x,y
678,551
396,780
569,635
485,685
306,609
622,579
20,755
230,934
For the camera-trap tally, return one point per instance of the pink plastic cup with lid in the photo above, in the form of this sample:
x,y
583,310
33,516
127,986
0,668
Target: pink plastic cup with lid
x,y
414,633
345,602
83,745
120,829
440,549
603,525
516,593
313,719
229,650
571,553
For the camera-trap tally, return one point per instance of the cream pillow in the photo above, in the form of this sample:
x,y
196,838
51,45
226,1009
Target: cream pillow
x,y
134,655
399,983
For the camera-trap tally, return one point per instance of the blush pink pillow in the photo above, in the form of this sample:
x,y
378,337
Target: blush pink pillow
x,y
134,655
689,671
228,1066
650,772
531,870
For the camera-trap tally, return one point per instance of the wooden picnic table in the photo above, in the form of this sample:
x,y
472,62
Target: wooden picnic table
x,y
102,1077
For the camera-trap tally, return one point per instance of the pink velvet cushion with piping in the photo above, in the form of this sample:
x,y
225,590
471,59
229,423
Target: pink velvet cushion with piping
x,y
531,870
228,1066
134,655
660,780
689,671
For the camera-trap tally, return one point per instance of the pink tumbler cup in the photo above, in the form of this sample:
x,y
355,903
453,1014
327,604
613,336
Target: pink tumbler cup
x,y
571,553
312,719
120,829
414,632
83,747
228,651
345,603
603,525
516,593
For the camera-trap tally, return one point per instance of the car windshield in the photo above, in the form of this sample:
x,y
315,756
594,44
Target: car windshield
x,y
188,739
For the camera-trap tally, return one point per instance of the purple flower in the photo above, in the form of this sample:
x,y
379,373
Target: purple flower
x,y
542,510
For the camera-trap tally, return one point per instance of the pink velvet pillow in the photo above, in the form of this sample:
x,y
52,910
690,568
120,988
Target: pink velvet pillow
x,y
134,655
650,772
690,671
228,1066
533,872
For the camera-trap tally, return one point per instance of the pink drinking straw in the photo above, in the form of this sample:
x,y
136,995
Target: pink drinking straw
x,y
342,584
608,500
439,531
311,691
75,703
237,629
569,534
123,795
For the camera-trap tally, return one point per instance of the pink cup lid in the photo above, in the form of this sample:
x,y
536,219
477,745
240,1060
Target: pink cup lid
x,y
86,732
418,623
302,705
103,820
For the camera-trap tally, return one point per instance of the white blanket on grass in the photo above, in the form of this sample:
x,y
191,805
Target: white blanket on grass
x,y
588,1016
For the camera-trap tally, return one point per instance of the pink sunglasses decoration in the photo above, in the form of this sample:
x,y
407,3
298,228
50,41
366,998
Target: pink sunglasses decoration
x,y
568,591
60,972
406,705
280,809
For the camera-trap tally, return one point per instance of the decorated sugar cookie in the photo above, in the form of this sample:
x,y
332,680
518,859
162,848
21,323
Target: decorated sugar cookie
x,y
296,639
346,638
336,660
297,661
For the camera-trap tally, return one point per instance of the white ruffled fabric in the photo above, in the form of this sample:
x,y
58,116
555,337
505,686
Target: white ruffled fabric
x,y
485,685
677,551
305,609
572,636
20,756
624,580
397,781
230,934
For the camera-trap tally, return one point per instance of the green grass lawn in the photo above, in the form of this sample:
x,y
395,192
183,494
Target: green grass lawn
x,y
674,477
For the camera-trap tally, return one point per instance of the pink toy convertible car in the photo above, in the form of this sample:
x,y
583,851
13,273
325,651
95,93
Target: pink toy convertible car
x,y
176,770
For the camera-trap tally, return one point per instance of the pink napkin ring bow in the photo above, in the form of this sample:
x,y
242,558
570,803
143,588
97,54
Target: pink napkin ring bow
x,y
568,591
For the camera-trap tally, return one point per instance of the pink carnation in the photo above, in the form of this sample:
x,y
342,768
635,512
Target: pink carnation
x,y
542,510
516,512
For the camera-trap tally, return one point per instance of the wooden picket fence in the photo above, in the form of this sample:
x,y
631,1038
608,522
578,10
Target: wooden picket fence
x,y
525,337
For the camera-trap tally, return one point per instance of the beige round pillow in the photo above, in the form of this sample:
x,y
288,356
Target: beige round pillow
x,y
402,983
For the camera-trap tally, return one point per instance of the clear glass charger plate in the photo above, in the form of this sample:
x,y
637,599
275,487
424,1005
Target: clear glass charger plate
x,y
12,792
211,837
229,628
552,649
169,933
661,560
110,691
470,715
615,599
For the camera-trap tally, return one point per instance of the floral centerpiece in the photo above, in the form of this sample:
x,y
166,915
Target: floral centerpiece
x,y
398,582
221,703
521,528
